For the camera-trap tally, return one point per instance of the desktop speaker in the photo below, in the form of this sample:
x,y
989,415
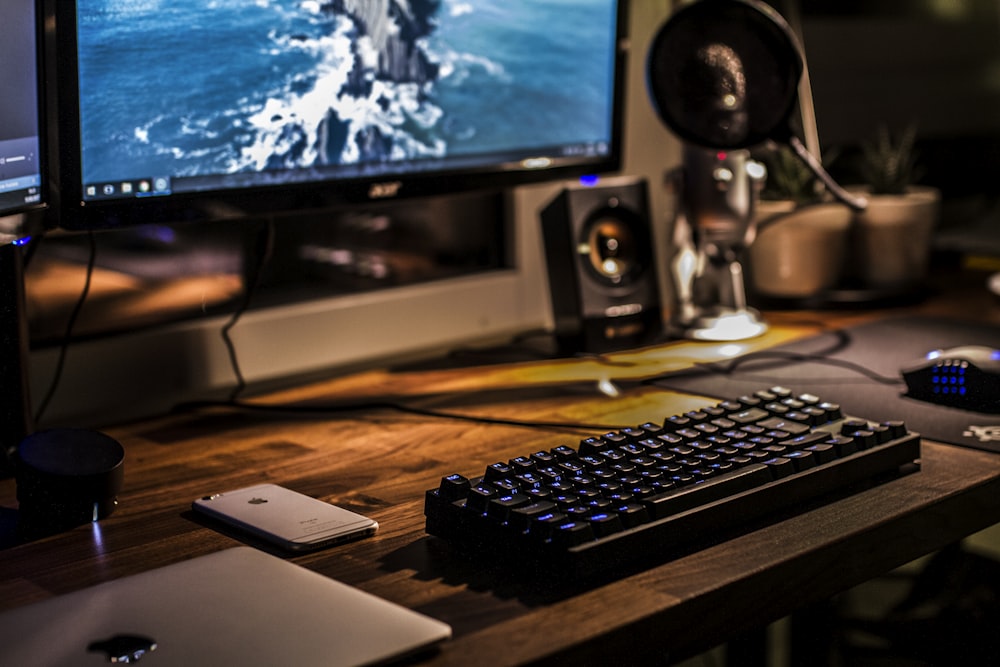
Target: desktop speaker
x,y
66,477
601,269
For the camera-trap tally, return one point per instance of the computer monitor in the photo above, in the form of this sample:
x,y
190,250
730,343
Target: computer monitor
x,y
173,112
22,205
21,168
523,92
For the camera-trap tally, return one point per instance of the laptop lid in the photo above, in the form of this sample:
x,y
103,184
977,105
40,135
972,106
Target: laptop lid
x,y
240,606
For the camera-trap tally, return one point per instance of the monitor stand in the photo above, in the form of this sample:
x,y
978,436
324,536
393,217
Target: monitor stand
x,y
15,405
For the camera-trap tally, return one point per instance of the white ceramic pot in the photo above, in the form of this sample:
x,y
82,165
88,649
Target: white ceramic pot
x,y
801,254
892,238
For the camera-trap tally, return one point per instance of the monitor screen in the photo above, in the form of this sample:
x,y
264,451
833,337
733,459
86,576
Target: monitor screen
x,y
192,110
21,184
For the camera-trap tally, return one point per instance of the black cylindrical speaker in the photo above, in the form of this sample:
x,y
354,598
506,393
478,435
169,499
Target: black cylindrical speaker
x,y
601,267
66,478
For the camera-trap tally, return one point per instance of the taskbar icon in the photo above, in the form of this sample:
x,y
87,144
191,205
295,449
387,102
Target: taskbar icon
x,y
142,187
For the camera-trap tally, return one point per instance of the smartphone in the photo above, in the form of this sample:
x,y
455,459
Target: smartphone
x,y
286,518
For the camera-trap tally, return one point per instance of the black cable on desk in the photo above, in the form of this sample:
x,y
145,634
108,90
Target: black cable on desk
x,y
780,359
777,358
325,410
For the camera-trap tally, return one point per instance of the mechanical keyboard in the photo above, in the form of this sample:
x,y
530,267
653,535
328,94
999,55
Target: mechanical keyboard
x,y
643,493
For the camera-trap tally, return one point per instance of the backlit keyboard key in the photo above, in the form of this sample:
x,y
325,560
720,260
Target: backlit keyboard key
x,y
454,487
522,517
605,523
673,502
572,533
803,459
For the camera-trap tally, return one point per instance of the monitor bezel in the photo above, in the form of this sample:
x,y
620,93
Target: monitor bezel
x,y
74,213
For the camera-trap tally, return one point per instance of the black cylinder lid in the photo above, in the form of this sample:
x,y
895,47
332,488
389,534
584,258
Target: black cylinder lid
x,y
79,460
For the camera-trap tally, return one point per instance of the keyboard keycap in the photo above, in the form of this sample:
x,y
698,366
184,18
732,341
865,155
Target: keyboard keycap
x,y
833,412
780,467
844,445
824,453
805,439
605,523
454,487
782,424
498,471
896,428
802,459
674,502
541,526
479,498
632,514
749,416
572,533
864,439
499,508
522,517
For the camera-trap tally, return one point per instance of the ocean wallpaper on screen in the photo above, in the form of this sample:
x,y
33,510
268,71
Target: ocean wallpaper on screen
x,y
204,87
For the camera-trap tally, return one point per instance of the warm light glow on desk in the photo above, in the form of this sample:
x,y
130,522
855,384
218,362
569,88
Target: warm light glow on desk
x,y
738,325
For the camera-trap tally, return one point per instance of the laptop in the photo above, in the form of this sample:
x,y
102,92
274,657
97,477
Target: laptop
x,y
240,606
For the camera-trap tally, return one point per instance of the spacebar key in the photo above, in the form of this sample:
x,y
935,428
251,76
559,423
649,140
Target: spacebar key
x,y
679,500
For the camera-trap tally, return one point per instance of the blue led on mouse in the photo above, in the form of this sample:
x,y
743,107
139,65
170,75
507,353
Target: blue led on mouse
x,y
966,377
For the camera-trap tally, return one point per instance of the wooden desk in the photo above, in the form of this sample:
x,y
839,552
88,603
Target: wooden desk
x,y
380,463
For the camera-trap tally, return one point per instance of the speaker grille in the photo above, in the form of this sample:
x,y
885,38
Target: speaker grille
x,y
601,268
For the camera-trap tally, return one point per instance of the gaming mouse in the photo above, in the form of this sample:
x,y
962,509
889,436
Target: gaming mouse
x,y
965,377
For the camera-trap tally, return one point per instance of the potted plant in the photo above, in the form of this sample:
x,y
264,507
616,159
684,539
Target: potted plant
x,y
801,237
891,238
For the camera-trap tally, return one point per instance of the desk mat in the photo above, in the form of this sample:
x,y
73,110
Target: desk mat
x,y
858,367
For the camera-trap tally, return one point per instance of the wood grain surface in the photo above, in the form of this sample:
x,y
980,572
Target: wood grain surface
x,y
380,461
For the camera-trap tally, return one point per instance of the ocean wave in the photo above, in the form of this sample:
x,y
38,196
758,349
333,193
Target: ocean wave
x,y
125,8
296,128
456,68
291,124
302,90
457,9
